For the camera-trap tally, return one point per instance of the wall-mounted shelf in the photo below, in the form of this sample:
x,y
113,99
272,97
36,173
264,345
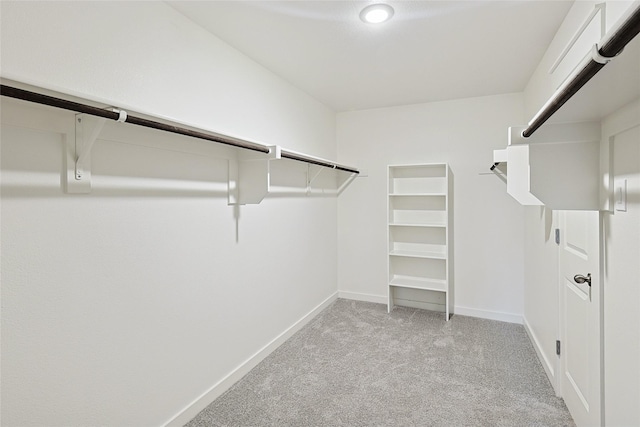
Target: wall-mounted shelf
x,y
250,171
558,164
557,167
596,74
419,255
252,176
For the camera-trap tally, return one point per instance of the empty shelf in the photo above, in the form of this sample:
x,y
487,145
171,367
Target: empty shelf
x,y
404,224
433,254
416,194
418,283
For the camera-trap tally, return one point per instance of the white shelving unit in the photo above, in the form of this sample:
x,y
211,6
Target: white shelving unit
x,y
419,236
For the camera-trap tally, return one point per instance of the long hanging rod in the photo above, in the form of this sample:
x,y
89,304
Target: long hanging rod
x,y
610,46
38,98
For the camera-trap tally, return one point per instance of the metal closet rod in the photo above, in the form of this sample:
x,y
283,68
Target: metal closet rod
x,y
610,46
38,98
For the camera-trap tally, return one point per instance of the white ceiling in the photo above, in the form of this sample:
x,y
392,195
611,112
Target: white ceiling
x,y
429,51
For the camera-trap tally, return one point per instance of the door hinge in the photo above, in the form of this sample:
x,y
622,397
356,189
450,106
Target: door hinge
x,y
557,236
558,347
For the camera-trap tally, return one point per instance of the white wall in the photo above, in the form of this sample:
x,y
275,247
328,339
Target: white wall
x,y
620,252
124,306
488,234
622,274
541,296
147,57
621,244
543,83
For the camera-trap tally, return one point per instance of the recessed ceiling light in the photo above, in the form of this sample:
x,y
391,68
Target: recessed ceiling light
x,y
376,13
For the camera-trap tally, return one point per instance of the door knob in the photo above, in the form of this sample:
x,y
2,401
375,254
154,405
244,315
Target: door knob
x,y
580,279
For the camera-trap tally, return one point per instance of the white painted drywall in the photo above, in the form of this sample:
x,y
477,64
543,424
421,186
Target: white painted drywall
x,y
622,275
543,83
123,307
541,296
621,252
147,57
488,233
621,244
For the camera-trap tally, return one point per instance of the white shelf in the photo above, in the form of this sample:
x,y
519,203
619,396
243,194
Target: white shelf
x,y
419,215
418,195
567,153
420,254
398,224
418,283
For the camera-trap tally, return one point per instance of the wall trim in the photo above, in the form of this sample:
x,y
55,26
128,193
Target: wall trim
x,y
544,361
487,314
463,311
194,408
380,299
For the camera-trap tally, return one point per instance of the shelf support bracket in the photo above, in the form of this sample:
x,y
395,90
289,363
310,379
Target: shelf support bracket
x,y
310,178
86,136
249,176
344,184
87,130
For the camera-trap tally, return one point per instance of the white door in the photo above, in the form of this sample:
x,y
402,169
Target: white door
x,y
580,314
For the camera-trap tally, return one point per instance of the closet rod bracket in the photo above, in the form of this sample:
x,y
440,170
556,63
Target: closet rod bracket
x,y
86,135
599,58
312,176
87,131
275,152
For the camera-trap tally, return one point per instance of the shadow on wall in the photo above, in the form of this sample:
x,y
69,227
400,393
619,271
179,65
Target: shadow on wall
x,y
128,162
547,215
132,162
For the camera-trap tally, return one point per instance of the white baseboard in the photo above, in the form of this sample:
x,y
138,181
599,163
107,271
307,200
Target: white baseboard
x,y
194,408
463,311
548,366
486,314
363,297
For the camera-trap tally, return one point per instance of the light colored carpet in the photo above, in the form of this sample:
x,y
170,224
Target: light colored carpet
x,y
357,365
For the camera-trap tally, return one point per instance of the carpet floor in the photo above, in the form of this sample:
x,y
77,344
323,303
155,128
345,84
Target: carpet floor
x,y
357,365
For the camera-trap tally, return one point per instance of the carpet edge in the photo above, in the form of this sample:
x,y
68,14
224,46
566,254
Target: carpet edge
x,y
194,408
